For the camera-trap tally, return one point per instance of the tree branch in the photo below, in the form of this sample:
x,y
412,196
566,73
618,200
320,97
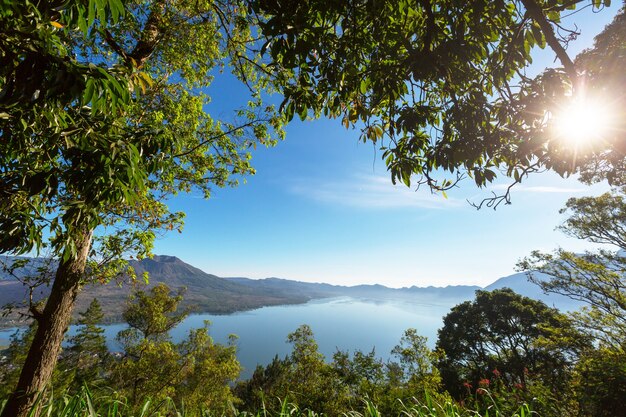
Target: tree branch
x,y
536,13
150,37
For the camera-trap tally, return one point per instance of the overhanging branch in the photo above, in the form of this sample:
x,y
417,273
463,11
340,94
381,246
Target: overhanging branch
x,y
534,11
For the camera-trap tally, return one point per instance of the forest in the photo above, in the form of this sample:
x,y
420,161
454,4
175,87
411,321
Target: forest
x,y
104,119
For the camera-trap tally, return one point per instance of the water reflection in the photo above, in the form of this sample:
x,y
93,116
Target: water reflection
x,y
343,323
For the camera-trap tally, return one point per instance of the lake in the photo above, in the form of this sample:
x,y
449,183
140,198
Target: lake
x,y
343,323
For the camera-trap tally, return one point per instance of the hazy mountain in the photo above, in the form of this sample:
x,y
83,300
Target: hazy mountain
x,y
305,289
212,294
30,269
520,284
320,290
517,282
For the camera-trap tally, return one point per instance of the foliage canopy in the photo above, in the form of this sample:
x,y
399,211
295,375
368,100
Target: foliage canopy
x,y
442,85
598,278
501,332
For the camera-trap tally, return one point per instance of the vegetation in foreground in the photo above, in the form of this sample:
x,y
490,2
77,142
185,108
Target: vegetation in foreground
x,y
83,403
501,354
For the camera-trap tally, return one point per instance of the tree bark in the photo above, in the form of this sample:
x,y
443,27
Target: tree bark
x,y
51,327
146,44
536,13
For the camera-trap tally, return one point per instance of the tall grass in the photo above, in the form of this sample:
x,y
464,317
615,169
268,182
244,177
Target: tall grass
x,y
85,404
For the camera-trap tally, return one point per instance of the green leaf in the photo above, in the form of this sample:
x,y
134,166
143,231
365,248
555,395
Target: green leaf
x,y
89,91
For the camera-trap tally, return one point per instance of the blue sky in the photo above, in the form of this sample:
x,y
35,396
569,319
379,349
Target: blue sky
x,y
322,208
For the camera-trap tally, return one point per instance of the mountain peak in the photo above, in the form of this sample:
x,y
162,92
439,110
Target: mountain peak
x,y
165,259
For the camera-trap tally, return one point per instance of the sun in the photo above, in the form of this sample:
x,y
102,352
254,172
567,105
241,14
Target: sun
x,y
583,122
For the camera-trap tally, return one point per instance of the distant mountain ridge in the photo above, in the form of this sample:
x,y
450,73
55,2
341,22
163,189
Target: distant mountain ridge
x,y
517,282
317,290
209,293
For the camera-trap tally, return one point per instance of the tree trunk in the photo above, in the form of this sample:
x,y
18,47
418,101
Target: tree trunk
x,y
51,327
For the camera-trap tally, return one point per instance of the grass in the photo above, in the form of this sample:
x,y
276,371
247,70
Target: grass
x,y
84,404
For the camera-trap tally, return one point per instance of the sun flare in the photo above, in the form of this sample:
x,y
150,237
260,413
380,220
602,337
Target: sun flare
x,y
583,122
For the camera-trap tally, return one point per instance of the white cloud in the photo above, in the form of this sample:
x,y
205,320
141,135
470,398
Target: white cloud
x,y
371,192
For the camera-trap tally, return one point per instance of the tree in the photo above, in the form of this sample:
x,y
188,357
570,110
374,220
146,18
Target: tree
x,y
413,375
303,378
210,371
417,361
501,332
603,72
441,85
195,372
87,352
409,377
363,374
151,364
102,118
311,383
262,389
151,315
306,380
596,278
602,383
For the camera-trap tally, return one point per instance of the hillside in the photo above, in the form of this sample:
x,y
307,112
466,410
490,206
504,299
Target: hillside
x,y
211,294
204,292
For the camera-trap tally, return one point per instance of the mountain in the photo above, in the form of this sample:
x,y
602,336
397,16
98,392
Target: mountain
x,y
322,290
520,284
204,292
211,294
517,282
306,289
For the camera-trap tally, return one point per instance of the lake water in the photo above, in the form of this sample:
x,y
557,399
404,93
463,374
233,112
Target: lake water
x,y
338,323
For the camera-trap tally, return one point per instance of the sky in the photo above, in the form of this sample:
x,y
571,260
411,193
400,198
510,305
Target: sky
x,y
322,208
